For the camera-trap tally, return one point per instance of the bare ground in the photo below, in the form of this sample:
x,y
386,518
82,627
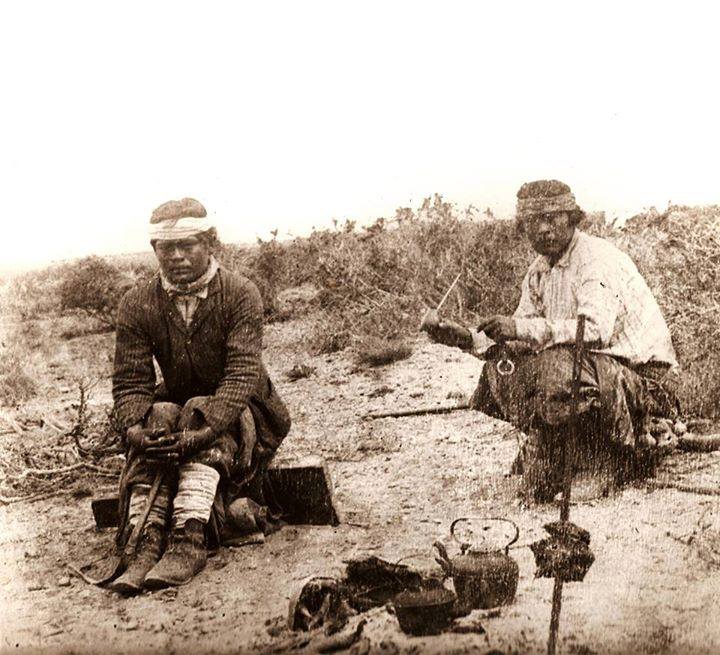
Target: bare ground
x,y
398,484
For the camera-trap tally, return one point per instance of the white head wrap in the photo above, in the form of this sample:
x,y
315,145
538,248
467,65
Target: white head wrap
x,y
179,219
180,228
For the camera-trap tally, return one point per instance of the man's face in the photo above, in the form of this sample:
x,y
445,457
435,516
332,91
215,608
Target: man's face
x,y
549,234
183,260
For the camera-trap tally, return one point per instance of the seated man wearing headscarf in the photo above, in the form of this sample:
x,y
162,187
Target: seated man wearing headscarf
x,y
628,351
207,433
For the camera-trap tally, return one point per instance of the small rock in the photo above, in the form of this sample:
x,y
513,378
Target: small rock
x,y
64,581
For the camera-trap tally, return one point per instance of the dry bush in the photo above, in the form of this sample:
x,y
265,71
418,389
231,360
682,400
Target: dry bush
x,y
377,282
299,372
34,294
678,252
88,288
94,287
374,351
328,334
262,265
17,382
19,351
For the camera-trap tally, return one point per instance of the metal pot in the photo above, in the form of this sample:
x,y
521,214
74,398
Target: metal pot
x,y
482,578
425,612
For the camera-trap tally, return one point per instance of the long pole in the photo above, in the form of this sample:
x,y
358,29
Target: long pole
x,y
568,445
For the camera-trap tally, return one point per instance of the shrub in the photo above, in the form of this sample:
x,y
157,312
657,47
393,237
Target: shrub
x,y
299,372
678,252
261,265
379,281
95,287
34,294
373,351
17,378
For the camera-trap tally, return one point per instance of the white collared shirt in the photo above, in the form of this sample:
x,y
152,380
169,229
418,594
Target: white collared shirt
x,y
596,279
187,303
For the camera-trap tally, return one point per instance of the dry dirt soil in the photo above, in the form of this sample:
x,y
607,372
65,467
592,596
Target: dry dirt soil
x,y
654,587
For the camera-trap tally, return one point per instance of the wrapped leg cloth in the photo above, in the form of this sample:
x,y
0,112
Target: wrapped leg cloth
x,y
203,487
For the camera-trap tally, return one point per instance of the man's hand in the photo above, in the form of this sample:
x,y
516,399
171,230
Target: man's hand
x,y
446,332
498,328
174,448
141,438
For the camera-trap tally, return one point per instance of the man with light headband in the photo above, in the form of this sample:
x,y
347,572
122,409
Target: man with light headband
x,y
212,426
629,350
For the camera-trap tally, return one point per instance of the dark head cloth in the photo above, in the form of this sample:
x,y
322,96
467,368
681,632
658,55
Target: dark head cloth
x,y
544,197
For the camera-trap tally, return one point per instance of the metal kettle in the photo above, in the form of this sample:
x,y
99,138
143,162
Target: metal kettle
x,y
482,578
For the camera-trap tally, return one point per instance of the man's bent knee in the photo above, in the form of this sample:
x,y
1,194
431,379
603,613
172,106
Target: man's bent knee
x,y
191,416
163,415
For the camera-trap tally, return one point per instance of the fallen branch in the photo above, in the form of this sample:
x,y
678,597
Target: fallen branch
x,y
337,642
63,469
43,495
292,643
14,426
704,443
76,571
691,489
55,426
420,411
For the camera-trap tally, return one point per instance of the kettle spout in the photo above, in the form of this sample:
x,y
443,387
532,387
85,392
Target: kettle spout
x,y
443,560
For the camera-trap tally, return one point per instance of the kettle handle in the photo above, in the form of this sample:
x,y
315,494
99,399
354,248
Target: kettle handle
x,y
464,546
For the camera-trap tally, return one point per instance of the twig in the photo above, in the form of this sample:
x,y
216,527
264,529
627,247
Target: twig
x,y
691,489
62,469
80,574
14,425
32,497
440,409
55,426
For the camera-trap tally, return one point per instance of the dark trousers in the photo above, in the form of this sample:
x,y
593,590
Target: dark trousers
x,y
614,410
237,455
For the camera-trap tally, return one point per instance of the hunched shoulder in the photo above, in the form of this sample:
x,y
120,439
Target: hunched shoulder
x,y
141,292
238,286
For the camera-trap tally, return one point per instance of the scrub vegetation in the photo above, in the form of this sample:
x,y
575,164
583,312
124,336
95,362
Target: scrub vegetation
x,y
343,308
370,286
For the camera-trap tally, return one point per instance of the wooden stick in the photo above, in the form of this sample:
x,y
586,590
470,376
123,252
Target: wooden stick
x,y
63,469
691,489
447,293
42,495
703,443
132,542
420,411
568,447
555,614
574,404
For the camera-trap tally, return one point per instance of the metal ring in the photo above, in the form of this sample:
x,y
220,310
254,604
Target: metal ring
x,y
505,366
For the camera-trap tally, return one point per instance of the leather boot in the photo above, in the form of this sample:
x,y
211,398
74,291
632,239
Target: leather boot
x,y
184,557
146,557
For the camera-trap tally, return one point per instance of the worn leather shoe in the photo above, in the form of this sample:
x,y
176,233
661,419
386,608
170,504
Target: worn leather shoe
x,y
184,557
146,557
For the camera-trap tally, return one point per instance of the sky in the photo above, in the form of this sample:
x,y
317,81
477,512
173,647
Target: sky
x,y
286,115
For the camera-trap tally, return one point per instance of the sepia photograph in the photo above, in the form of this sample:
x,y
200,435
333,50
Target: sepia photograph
x,y
374,328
